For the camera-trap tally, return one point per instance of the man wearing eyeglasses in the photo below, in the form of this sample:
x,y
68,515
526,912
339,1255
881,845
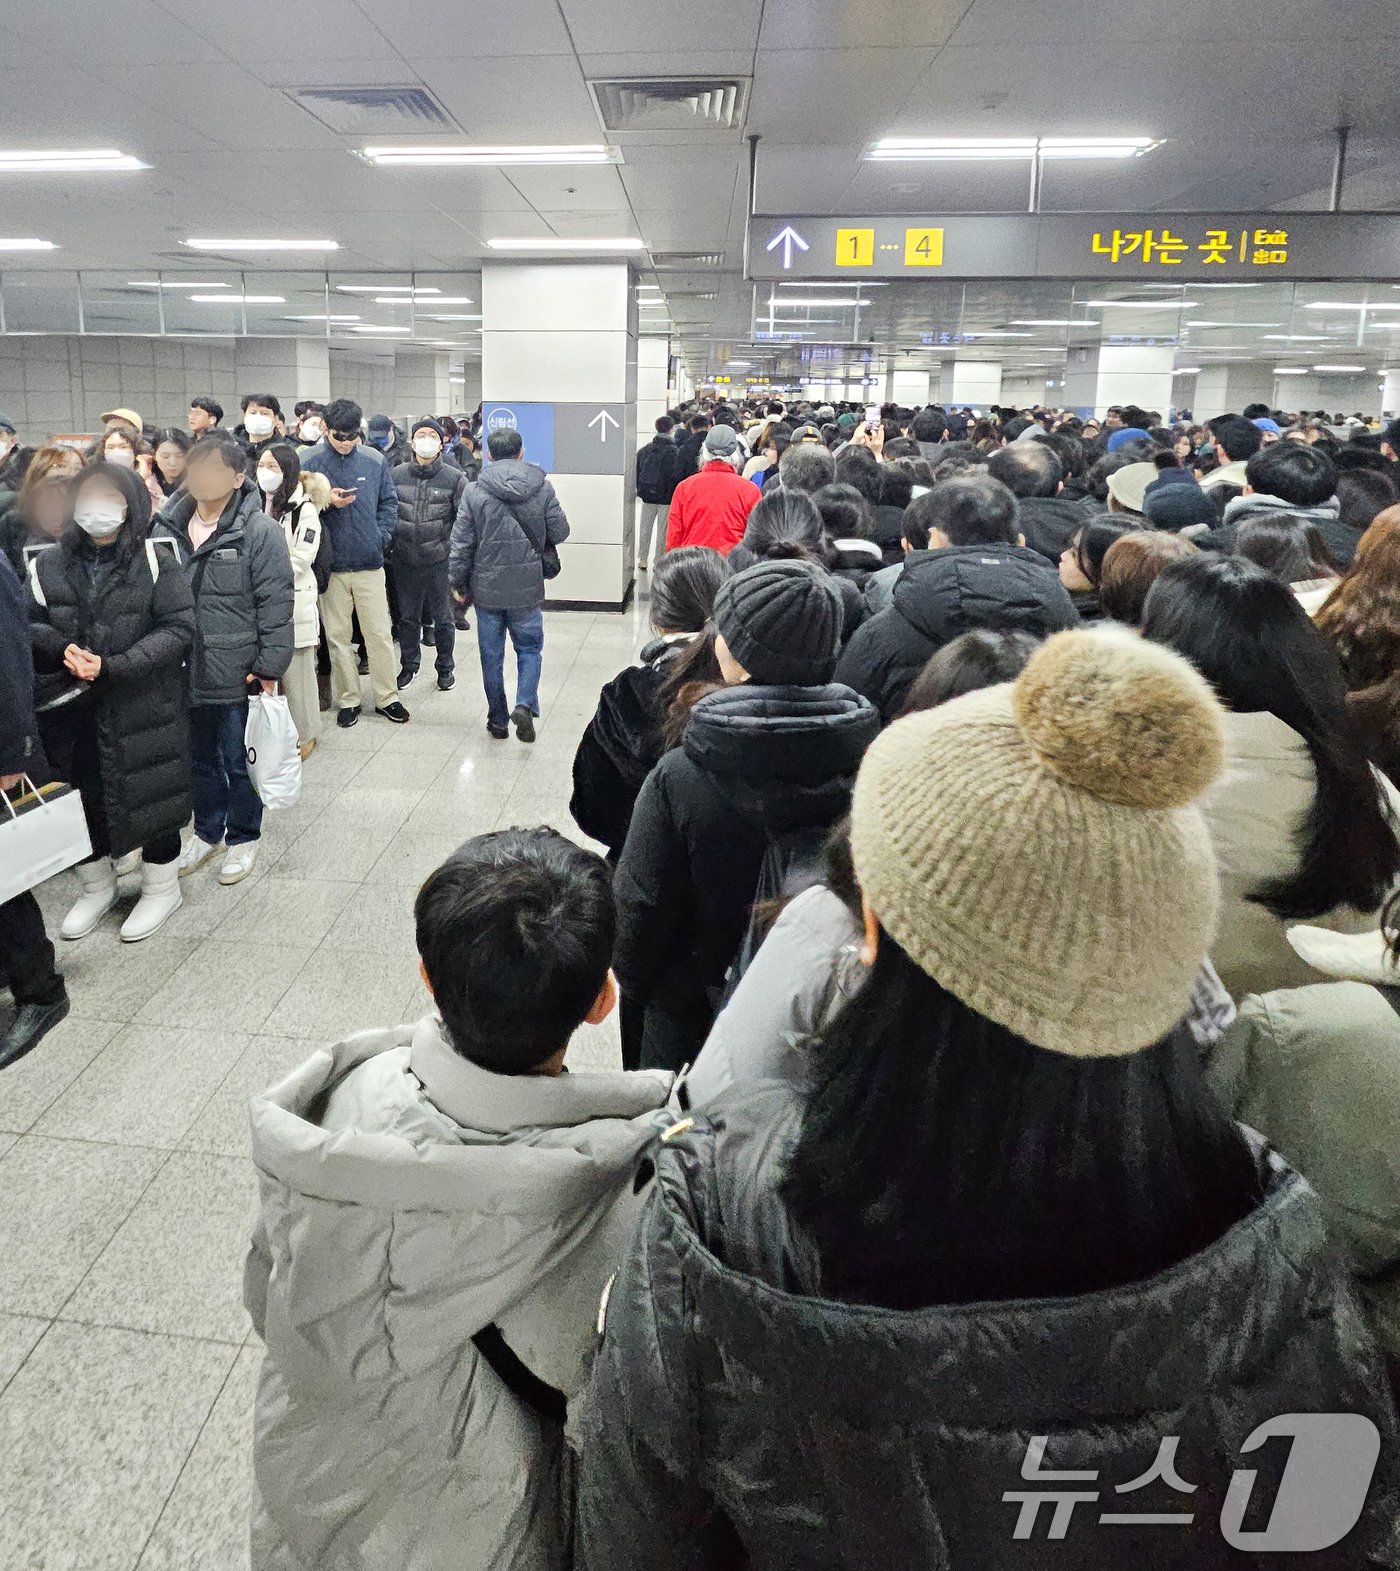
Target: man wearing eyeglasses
x,y
364,514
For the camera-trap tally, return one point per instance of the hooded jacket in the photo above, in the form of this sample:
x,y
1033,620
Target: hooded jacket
x,y
139,616
1048,523
1325,518
410,1202
491,554
711,508
621,746
938,596
756,764
430,496
244,603
735,1409
362,532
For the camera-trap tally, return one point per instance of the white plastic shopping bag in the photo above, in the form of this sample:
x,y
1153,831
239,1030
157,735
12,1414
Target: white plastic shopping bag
x,y
270,741
41,833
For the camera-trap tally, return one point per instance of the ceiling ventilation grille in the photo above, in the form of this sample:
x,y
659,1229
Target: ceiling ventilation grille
x,y
691,103
374,111
685,261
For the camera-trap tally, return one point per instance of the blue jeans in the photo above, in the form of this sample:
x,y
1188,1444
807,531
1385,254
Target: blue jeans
x,y
526,629
226,807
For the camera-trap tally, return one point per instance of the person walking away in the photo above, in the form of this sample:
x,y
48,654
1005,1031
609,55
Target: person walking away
x,y
712,507
1007,1230
509,525
656,484
296,502
113,624
430,494
414,1387
26,956
240,573
366,512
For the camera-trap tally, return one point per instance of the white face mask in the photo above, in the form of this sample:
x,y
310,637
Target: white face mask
x,y
258,425
269,480
123,457
99,518
427,446
312,431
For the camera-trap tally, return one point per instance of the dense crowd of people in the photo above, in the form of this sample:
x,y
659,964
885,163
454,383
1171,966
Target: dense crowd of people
x,y
1000,910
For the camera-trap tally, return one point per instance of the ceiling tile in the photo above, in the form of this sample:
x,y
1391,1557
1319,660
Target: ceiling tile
x,y
597,25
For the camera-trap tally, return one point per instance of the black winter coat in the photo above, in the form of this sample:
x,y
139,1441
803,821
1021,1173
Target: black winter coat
x,y
756,763
945,593
429,497
688,455
659,458
620,748
141,622
1049,523
492,555
244,602
736,1419
19,730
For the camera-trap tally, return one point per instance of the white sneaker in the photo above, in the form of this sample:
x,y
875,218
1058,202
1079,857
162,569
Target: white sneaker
x,y
160,900
98,881
239,862
196,853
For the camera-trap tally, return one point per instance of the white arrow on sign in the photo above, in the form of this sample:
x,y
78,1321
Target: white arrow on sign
x,y
604,419
787,237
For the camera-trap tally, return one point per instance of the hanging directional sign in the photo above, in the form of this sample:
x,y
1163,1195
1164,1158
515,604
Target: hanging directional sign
x,y
1134,247
588,439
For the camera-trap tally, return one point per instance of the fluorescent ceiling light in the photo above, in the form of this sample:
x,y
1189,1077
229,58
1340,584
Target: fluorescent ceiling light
x,y
1096,146
788,301
863,283
320,317
449,316
239,299
621,243
906,148
1339,368
1186,370
59,162
1056,321
1141,305
168,283
379,327
998,334
429,297
1298,338
1234,324
27,245
262,245
1291,370
559,153
1347,305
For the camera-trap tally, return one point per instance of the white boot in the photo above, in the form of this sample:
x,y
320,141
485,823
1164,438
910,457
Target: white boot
x,y
99,885
160,900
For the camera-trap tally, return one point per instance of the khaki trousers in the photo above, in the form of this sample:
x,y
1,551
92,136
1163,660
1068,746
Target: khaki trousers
x,y
350,594
303,699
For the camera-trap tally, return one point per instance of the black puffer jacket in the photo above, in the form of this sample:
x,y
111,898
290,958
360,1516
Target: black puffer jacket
x,y
1049,523
620,748
242,582
738,1420
429,498
139,617
945,593
756,763
491,553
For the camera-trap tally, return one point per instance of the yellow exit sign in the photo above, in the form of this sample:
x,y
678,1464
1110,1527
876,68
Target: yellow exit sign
x,y
856,248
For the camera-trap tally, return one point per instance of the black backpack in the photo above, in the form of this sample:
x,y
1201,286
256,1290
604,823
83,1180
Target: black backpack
x,y
653,471
793,863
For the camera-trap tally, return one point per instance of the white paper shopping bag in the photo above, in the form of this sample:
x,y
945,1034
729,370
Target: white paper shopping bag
x,y
41,833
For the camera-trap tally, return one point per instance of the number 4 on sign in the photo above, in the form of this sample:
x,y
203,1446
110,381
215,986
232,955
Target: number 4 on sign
x,y
602,420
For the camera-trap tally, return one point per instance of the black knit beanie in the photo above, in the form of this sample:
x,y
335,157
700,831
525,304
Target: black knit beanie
x,y
427,423
782,622
1176,507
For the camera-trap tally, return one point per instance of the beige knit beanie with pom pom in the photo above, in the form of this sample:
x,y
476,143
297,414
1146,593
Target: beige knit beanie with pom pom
x,y
1033,847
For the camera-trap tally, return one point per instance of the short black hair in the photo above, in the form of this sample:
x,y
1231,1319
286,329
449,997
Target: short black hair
x,y
1027,469
210,406
1240,438
896,486
505,443
807,467
1293,472
1257,412
225,443
306,406
845,513
516,932
344,414
928,426
263,401
969,509
858,466
700,422
664,423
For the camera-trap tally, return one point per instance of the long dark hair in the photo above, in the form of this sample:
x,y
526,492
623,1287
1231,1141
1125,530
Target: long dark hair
x,y
137,524
787,526
944,1159
981,658
690,676
1092,542
290,465
1258,648
1283,544
684,587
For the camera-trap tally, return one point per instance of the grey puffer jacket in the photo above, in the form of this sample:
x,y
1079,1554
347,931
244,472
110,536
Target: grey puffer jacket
x,y
737,1419
243,597
492,554
410,1202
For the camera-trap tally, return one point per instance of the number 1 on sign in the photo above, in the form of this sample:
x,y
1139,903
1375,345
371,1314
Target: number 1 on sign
x,y
923,248
855,247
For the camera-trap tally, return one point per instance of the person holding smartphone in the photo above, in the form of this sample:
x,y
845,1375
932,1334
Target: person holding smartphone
x,y
363,516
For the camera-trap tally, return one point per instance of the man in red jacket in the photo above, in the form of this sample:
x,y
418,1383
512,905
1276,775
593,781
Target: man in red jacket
x,y
712,507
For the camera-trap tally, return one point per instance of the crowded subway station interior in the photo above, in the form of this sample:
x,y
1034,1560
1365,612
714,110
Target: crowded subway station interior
x,y
699,786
